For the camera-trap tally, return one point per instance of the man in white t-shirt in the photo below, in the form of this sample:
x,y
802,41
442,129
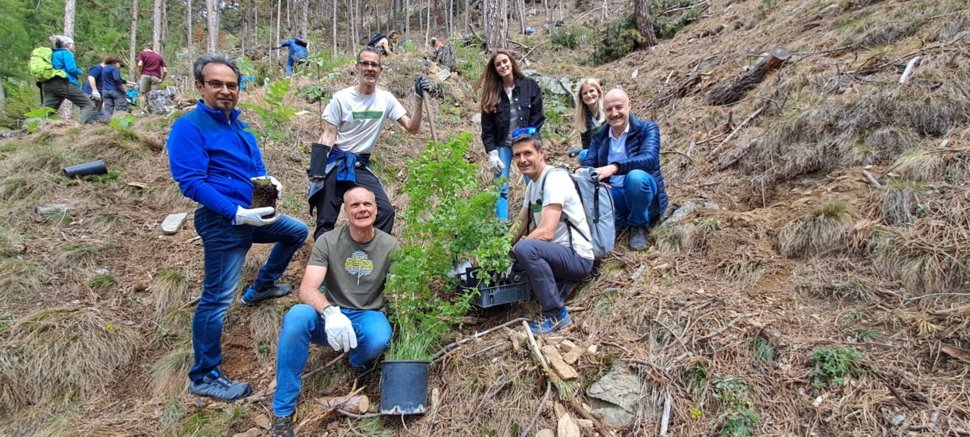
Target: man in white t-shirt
x,y
354,119
549,232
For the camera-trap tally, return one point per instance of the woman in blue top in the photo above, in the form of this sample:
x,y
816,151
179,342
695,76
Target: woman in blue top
x,y
502,84
56,89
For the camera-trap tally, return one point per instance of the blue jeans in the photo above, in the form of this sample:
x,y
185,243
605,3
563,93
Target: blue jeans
x,y
224,251
502,206
637,203
302,325
545,262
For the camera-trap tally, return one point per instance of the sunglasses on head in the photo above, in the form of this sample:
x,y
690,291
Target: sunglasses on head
x,y
524,132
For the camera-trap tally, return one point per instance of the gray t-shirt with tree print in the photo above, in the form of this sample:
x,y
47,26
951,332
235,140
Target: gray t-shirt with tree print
x,y
355,272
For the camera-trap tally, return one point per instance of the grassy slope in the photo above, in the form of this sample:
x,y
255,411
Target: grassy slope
x,y
730,308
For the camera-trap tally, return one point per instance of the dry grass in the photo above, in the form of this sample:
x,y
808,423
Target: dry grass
x,y
920,165
924,258
265,322
822,230
170,290
900,201
831,279
169,374
70,352
11,393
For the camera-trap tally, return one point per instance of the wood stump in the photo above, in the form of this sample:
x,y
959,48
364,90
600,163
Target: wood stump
x,y
728,94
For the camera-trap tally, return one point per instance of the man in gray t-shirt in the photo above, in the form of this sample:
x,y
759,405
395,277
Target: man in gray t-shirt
x,y
353,262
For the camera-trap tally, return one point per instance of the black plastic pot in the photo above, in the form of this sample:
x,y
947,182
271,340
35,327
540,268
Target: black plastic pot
x,y
404,387
86,169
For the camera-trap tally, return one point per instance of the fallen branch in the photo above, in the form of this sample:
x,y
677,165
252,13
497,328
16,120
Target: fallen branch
x,y
190,303
910,67
938,294
358,416
323,415
665,419
477,335
737,129
726,326
328,364
679,153
872,179
535,418
951,311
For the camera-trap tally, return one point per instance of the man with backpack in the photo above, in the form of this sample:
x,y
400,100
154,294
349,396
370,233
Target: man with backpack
x,y
551,235
57,74
384,44
627,155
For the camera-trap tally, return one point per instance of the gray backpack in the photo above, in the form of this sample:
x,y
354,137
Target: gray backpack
x,y
598,206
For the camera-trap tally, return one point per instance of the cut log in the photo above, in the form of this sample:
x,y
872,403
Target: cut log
x,y
728,94
353,404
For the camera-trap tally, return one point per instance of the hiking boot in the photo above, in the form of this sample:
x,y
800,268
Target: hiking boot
x,y
552,324
282,426
252,297
217,386
638,239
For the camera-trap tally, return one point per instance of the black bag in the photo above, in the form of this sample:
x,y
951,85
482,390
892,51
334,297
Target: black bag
x,y
375,38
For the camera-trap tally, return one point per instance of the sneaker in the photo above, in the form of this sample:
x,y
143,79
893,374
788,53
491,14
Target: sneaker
x,y
252,297
217,386
282,426
638,239
552,324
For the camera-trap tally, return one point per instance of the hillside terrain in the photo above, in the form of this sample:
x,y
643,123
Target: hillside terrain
x,y
814,279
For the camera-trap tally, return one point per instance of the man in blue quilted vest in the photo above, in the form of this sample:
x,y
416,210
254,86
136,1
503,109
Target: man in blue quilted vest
x,y
628,155
216,161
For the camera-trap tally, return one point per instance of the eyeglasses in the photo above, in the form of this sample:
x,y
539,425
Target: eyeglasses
x,y
216,84
523,132
369,64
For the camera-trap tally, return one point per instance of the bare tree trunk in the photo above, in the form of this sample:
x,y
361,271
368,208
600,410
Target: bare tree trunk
x,y
164,26
69,9
519,8
190,46
3,98
289,28
133,39
407,20
279,15
467,24
427,22
545,4
504,32
451,17
641,14
212,22
157,25
304,18
606,10
334,28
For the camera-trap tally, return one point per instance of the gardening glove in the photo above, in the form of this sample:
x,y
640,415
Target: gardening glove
x,y
495,163
340,333
272,180
421,85
95,95
254,216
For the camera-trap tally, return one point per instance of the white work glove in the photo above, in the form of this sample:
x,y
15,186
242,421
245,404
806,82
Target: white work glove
x,y
254,216
340,333
272,180
95,95
495,163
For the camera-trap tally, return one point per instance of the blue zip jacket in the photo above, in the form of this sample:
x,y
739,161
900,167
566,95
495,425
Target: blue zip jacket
x,y
63,59
111,79
297,51
213,158
642,152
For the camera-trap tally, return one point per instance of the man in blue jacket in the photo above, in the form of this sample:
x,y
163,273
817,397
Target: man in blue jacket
x,y
215,160
298,51
628,154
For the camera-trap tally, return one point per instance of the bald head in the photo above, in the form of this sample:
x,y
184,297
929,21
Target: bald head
x,y
616,105
361,209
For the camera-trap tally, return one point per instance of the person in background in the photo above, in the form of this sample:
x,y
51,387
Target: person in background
x,y
386,45
298,51
627,155
92,87
508,100
589,112
113,88
56,89
153,70
216,161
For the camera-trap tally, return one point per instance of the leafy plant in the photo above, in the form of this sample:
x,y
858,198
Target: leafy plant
x,y
694,375
275,114
739,416
831,365
34,115
566,37
620,39
123,124
666,25
468,55
449,218
101,283
763,349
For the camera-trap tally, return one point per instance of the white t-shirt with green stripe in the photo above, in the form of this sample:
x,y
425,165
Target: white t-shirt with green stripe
x,y
360,117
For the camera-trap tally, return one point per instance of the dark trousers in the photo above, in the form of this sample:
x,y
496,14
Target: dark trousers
x,y
545,262
328,203
54,91
114,100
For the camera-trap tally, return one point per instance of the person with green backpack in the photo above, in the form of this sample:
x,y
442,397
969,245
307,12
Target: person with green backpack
x,y
57,76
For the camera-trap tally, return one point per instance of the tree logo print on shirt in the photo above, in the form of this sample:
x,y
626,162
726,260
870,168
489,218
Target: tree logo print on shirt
x,y
359,265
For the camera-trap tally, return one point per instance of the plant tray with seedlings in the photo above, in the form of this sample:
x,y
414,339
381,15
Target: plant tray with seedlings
x,y
503,288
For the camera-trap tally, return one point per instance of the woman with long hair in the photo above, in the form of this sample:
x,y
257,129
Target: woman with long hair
x,y
589,112
509,100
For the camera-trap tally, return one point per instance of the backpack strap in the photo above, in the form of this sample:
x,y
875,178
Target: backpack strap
x,y
562,217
